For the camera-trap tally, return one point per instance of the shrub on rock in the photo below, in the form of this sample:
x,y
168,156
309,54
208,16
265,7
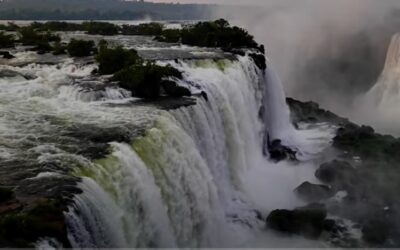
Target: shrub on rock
x,y
217,34
59,49
100,28
80,48
56,26
112,60
6,41
144,29
29,36
145,80
42,47
169,36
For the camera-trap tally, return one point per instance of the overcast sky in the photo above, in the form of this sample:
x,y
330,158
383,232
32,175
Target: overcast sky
x,y
211,1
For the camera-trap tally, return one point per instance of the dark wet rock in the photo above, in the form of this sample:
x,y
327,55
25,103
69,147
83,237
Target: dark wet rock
x,y
172,89
307,221
313,192
362,141
11,73
312,113
6,194
261,48
169,103
376,231
44,219
259,60
334,227
6,55
94,140
64,187
204,95
339,174
279,152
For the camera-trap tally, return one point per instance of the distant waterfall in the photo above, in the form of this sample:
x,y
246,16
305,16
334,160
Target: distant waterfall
x,y
180,185
380,106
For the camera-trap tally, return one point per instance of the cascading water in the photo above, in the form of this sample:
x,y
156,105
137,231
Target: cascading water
x,y
179,185
185,183
197,176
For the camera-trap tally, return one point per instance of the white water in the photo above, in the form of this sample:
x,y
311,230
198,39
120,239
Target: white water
x,y
380,107
196,178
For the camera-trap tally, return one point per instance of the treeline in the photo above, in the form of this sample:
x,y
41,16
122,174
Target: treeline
x,y
143,79
99,10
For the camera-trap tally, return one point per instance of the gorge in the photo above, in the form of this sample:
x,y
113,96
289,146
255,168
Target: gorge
x,y
87,163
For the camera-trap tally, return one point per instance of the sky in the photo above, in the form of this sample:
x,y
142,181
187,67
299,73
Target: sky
x,y
211,1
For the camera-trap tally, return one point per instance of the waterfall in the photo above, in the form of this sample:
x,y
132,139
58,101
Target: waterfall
x,y
380,105
277,115
185,182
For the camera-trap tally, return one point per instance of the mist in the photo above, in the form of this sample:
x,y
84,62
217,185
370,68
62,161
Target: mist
x,y
331,52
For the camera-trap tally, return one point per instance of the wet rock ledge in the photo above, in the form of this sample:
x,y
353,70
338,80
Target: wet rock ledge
x,y
361,185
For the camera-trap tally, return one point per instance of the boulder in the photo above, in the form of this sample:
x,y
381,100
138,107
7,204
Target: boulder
x,y
172,89
313,192
376,231
280,152
6,194
307,221
6,55
336,173
259,60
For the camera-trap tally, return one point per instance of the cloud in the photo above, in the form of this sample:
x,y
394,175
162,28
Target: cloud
x,y
324,50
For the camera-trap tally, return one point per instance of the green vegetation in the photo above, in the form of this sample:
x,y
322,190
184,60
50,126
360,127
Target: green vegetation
x,y
80,48
9,27
145,29
145,80
100,28
170,36
29,36
59,49
217,34
6,41
99,10
56,26
112,60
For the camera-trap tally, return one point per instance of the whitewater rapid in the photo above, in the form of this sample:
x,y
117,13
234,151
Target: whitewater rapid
x,y
197,176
